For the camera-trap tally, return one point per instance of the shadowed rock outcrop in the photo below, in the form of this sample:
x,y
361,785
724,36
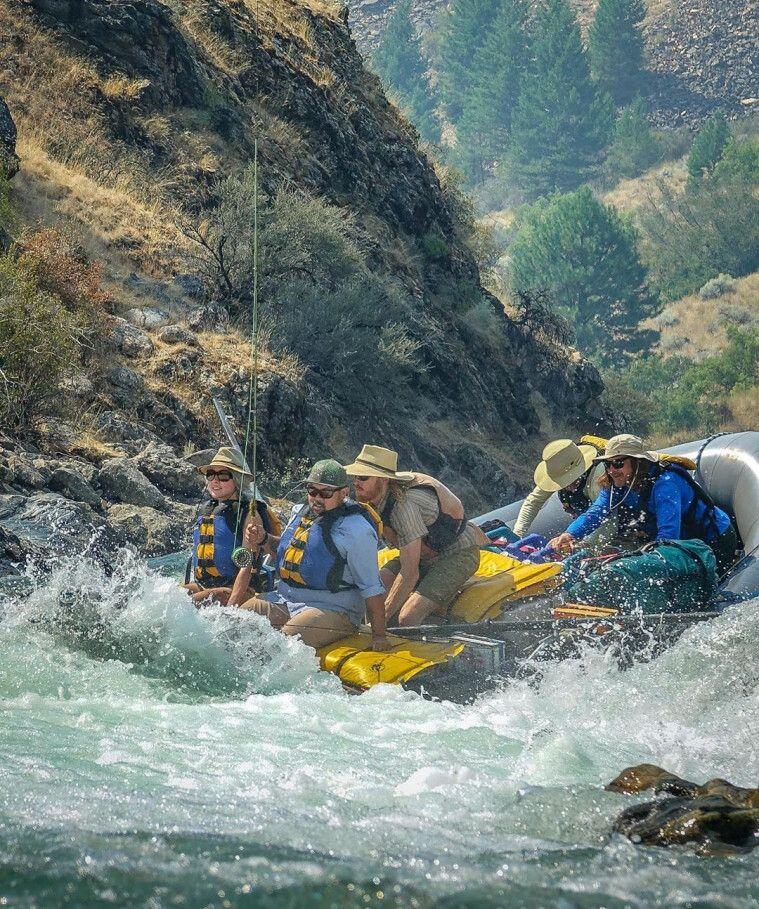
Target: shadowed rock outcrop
x,y
714,818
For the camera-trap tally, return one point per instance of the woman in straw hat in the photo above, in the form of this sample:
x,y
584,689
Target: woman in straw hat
x,y
652,501
568,469
218,531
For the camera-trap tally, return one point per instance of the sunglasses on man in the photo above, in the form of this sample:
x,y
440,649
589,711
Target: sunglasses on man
x,y
317,493
617,464
224,476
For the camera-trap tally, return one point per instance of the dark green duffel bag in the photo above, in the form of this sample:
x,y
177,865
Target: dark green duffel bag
x,y
665,576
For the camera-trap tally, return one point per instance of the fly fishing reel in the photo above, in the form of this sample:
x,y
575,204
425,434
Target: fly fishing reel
x,y
243,558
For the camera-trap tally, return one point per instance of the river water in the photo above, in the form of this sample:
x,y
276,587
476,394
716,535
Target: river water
x,y
153,755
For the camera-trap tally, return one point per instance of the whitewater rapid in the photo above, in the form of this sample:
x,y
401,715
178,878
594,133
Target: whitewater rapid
x,y
153,754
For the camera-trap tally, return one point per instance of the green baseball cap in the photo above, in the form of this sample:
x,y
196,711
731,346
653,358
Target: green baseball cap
x,y
328,473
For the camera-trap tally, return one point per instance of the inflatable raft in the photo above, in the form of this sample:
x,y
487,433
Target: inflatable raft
x,y
509,615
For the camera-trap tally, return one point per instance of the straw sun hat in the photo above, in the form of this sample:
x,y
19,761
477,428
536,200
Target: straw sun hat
x,y
627,446
563,463
374,461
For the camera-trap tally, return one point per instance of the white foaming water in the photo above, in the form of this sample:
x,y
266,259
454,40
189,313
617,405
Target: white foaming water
x,y
221,758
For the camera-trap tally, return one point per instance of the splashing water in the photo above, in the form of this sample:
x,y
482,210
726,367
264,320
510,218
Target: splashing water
x,y
152,754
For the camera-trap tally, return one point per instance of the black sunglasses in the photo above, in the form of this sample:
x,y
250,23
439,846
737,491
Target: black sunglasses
x,y
617,463
315,492
224,475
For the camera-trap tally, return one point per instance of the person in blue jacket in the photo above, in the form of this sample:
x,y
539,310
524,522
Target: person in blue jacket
x,y
652,501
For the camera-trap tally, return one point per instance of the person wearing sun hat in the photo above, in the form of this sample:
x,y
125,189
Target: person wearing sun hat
x,y
326,558
219,525
652,500
568,469
425,521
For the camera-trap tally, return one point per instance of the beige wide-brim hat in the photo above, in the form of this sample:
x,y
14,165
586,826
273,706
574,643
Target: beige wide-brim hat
x,y
563,463
627,446
232,460
374,461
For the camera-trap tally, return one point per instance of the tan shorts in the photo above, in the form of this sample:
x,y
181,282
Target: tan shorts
x,y
441,579
315,627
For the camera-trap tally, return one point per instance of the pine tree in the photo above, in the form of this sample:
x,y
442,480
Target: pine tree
x,y
561,122
615,47
583,254
708,146
464,28
398,61
497,71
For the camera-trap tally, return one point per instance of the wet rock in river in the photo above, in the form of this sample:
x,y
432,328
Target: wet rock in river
x,y
714,818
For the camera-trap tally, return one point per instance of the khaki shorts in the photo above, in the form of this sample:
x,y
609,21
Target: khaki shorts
x,y
441,578
315,627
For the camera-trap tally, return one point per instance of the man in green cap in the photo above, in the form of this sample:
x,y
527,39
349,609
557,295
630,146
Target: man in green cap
x,y
327,564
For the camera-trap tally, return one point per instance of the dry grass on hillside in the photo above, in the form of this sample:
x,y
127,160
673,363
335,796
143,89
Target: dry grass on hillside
x,y
630,195
695,328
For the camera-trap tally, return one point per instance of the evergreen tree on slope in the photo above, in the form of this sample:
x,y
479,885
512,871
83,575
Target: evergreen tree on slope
x,y
583,254
498,68
562,121
398,61
615,47
464,28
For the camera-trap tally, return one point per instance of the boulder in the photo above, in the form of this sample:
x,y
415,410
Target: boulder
x,y
131,341
176,334
190,285
129,435
715,818
147,317
210,317
9,160
150,531
173,475
47,524
73,485
125,378
121,481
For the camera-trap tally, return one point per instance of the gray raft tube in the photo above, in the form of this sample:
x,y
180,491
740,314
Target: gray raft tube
x,y
728,469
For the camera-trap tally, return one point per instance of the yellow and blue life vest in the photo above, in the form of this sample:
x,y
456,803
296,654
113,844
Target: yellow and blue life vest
x,y
307,555
216,535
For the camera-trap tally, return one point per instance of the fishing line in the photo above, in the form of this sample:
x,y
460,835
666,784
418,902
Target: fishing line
x,y
252,421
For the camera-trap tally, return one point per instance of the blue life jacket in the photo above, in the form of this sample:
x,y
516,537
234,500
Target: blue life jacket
x,y
307,555
213,542
637,519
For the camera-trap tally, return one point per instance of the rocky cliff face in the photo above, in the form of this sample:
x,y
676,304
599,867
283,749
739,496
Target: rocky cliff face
x,y
174,95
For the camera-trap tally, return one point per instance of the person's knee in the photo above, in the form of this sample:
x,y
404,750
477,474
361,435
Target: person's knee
x,y
415,610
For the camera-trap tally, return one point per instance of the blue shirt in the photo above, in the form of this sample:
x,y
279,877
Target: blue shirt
x,y
356,541
671,497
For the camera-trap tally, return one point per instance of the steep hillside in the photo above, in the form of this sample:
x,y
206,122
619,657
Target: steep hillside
x,y
129,116
702,54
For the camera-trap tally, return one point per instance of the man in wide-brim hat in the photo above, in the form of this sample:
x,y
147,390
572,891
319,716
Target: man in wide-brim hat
x,y
438,547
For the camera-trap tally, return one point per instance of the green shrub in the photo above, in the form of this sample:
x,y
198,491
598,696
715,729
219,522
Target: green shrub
x,y
352,338
694,236
708,146
717,287
683,395
40,343
739,161
634,146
